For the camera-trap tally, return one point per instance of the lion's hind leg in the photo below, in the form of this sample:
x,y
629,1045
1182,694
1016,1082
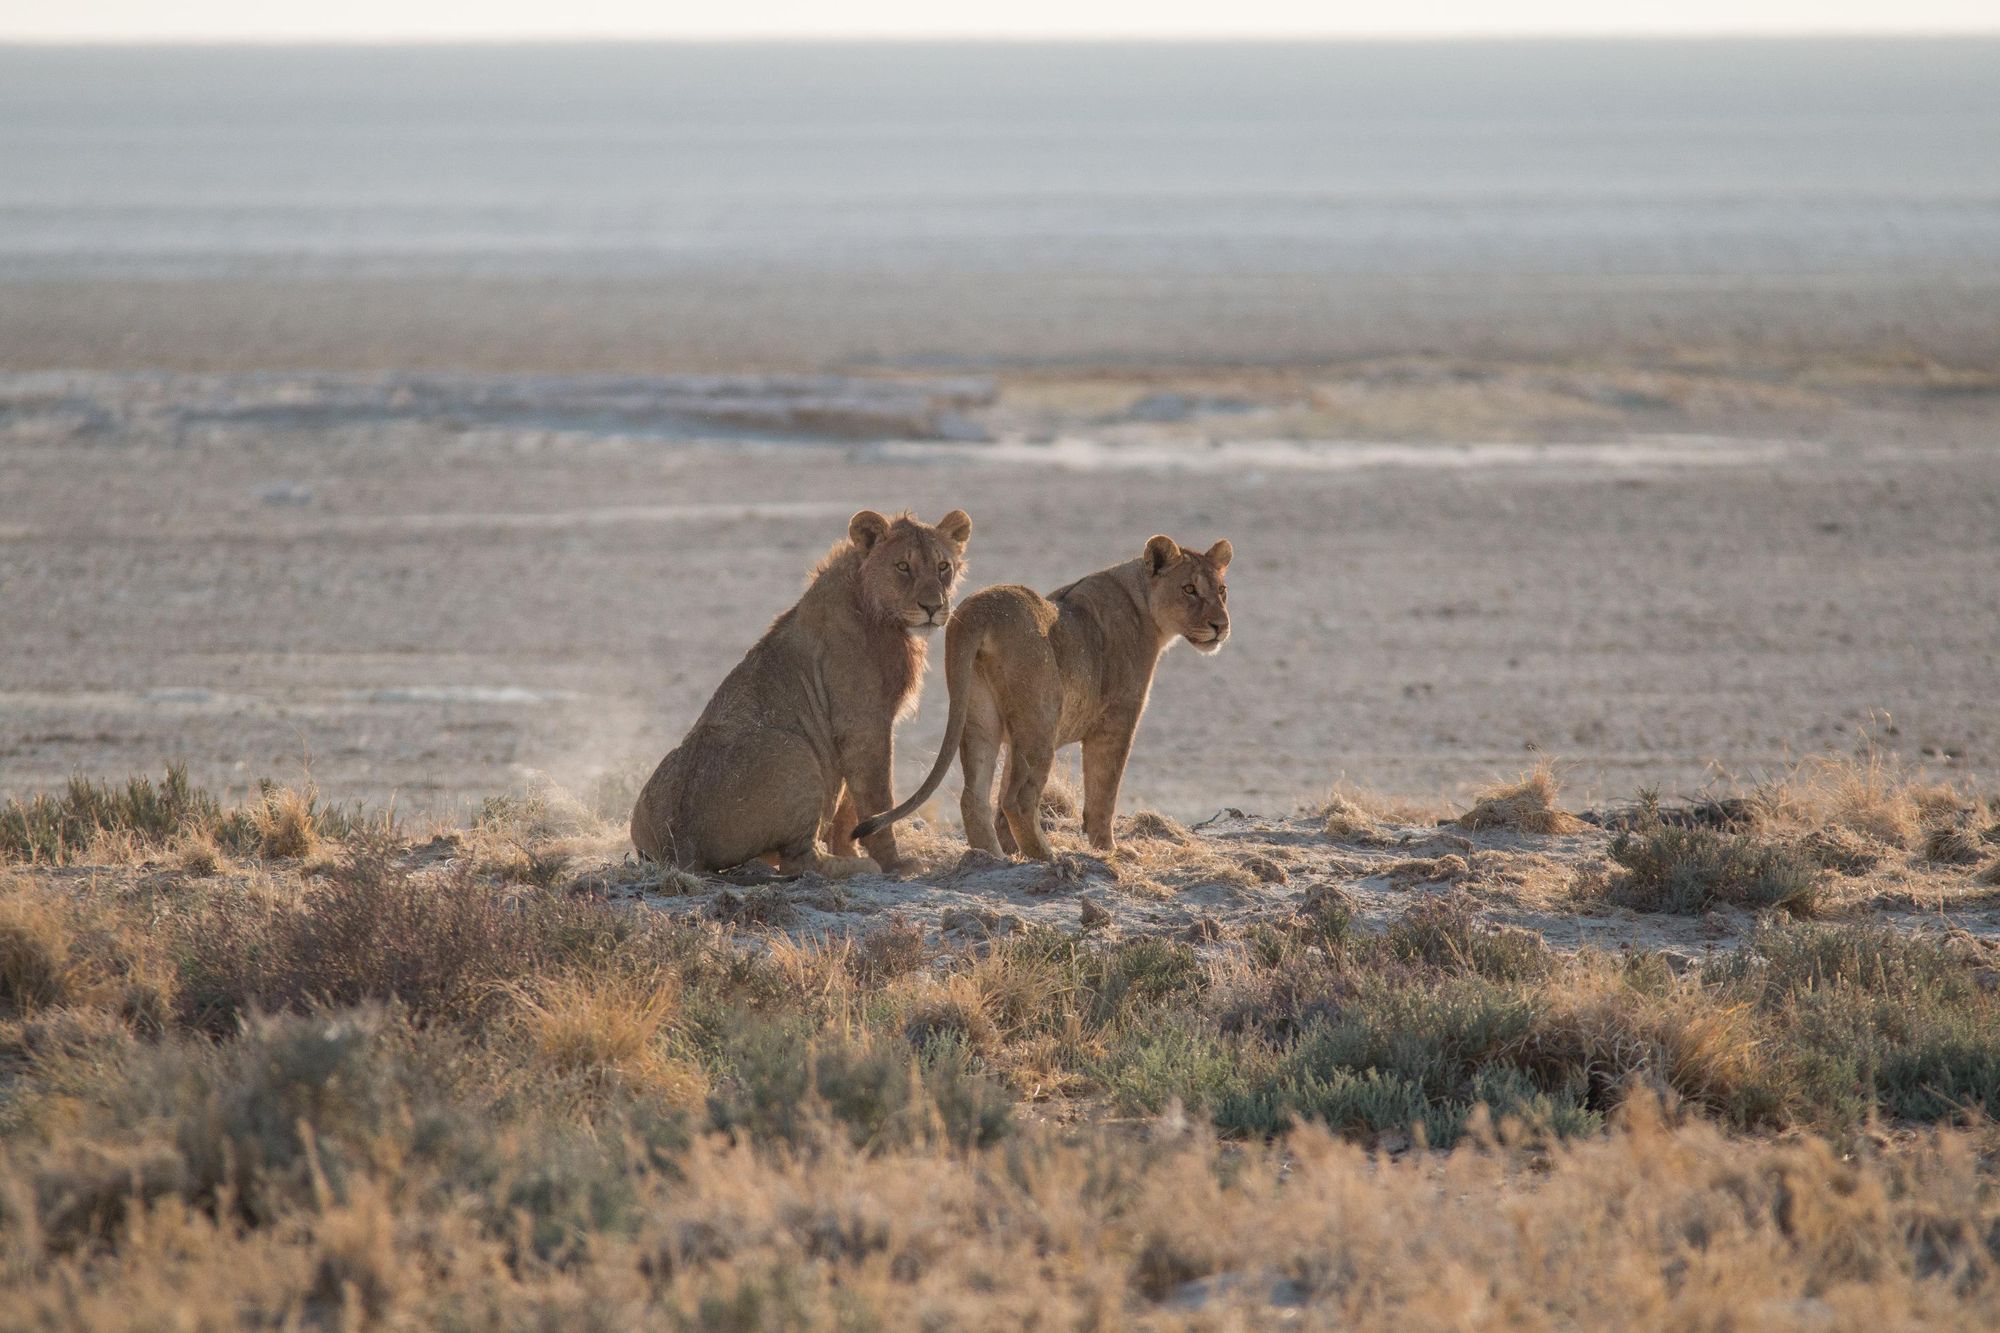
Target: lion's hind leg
x,y
806,858
978,756
1029,759
757,793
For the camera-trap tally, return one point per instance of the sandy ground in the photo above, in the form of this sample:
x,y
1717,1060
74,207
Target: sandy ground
x,y
815,315
436,589
1214,885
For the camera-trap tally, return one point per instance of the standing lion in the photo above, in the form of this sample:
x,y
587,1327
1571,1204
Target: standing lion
x,y
801,734
1034,674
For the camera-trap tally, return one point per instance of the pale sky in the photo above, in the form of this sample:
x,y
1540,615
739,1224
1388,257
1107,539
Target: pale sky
x,y
486,20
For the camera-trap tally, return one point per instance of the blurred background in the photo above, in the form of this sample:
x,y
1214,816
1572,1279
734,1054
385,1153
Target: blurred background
x,y
444,400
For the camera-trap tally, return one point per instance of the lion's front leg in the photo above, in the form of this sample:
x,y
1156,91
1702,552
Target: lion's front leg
x,y
869,762
837,825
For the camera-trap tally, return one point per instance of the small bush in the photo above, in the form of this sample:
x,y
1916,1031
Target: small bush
x,y
254,1118
1325,917
372,931
888,952
1669,868
1876,1020
786,1087
55,829
1185,1062
1445,935
150,817
1142,973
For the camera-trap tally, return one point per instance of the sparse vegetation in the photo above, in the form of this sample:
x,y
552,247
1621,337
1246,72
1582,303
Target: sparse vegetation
x,y
1670,868
380,1085
143,818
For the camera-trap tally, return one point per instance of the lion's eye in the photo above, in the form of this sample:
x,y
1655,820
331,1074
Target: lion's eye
x,y
1188,589
903,566
944,569
1222,594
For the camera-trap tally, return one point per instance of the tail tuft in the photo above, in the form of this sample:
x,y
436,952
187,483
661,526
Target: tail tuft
x,y
868,827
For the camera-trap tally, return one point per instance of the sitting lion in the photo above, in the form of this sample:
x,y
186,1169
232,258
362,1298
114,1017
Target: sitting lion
x,y
1038,673
802,729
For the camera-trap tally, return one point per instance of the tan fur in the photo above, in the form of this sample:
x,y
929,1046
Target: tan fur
x,y
801,732
1038,673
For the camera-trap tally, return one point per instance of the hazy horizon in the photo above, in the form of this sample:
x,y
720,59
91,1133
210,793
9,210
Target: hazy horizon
x,y
432,22
1579,36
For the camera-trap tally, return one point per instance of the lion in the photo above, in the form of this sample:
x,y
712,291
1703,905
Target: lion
x,y
1037,673
802,730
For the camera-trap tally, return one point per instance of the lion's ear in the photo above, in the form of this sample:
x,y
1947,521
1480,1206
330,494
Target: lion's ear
x,y
1161,552
1219,554
957,526
866,528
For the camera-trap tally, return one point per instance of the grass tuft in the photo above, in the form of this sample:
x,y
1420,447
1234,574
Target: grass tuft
x,y
36,967
608,1034
1149,824
1525,806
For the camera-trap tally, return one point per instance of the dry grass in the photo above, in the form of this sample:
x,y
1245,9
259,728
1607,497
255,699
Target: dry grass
x,y
111,824
1146,824
1412,871
1673,1041
1651,1226
1526,806
284,823
1868,793
37,969
1953,844
1351,814
198,853
1157,858
387,1088
67,953
1345,819
608,1034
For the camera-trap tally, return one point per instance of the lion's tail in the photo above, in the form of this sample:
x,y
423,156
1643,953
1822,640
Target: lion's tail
x,y
962,641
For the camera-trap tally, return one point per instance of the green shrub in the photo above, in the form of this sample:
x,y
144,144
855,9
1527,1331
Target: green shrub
x,y
786,1085
1182,1061
1448,937
1873,1019
1668,868
1140,974
49,829
52,829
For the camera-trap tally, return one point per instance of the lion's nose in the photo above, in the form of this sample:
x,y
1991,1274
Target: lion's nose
x,y
1221,627
931,609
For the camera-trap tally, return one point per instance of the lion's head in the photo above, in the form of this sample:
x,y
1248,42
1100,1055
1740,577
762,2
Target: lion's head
x,y
908,568
1187,596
